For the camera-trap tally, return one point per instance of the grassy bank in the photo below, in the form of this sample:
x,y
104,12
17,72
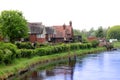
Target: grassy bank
x,y
116,44
23,64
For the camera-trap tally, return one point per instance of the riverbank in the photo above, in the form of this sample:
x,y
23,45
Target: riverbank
x,y
116,44
22,65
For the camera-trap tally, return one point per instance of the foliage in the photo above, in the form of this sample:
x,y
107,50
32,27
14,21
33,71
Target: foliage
x,y
23,63
24,45
26,53
100,32
61,48
114,32
95,43
109,46
13,25
92,32
8,52
116,44
39,45
84,40
76,32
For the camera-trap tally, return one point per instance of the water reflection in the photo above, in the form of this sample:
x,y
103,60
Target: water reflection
x,y
103,66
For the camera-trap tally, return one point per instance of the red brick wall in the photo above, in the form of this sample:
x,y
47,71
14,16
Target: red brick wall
x,y
33,38
91,38
41,40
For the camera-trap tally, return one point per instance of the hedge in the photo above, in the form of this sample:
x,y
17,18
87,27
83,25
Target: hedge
x,y
24,45
9,52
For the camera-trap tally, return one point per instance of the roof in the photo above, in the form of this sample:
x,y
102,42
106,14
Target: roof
x,y
36,28
49,30
63,30
91,38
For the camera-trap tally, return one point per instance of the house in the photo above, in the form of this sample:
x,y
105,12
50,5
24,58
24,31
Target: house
x,y
39,33
49,34
91,38
63,33
36,32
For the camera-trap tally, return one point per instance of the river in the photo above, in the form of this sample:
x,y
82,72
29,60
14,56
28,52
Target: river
x,y
101,66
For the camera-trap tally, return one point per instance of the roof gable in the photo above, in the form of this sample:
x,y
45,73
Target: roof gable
x,y
49,30
36,28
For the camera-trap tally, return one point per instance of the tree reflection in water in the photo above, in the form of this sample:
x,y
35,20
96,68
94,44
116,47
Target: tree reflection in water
x,y
64,69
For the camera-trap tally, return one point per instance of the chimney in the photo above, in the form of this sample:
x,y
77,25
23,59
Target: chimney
x,y
64,26
70,23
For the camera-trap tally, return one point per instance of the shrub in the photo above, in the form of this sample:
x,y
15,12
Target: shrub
x,y
27,53
41,51
1,55
24,45
7,57
39,45
95,43
8,52
89,45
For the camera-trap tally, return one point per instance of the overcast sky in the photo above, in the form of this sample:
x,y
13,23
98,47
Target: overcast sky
x,y
83,13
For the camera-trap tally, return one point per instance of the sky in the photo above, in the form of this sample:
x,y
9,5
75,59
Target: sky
x,y
84,14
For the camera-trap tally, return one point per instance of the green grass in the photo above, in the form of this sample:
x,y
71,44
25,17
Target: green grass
x,y
24,63
116,44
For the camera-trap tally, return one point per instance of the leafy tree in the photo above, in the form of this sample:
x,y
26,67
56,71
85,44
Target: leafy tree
x,y
105,32
91,32
100,32
82,33
76,32
13,25
114,32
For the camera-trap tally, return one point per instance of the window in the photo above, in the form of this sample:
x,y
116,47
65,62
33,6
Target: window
x,y
40,36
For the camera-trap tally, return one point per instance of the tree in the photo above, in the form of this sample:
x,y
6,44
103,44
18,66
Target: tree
x,y
114,32
91,32
13,25
100,32
76,32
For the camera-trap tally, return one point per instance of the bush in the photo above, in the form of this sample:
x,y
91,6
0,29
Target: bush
x,y
25,53
7,57
89,45
60,48
24,45
39,45
95,43
8,52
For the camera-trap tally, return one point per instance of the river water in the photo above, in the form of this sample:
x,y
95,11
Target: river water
x,y
101,66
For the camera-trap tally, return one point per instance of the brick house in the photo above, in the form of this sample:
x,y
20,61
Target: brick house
x,y
91,38
40,33
36,32
63,33
49,33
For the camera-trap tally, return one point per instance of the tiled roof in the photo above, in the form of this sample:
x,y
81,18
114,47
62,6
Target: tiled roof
x,y
36,28
49,30
62,31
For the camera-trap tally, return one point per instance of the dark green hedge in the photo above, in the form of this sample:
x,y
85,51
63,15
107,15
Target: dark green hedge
x,y
24,45
9,52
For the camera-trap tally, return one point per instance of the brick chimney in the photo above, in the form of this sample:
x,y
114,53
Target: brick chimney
x,y
70,23
64,26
